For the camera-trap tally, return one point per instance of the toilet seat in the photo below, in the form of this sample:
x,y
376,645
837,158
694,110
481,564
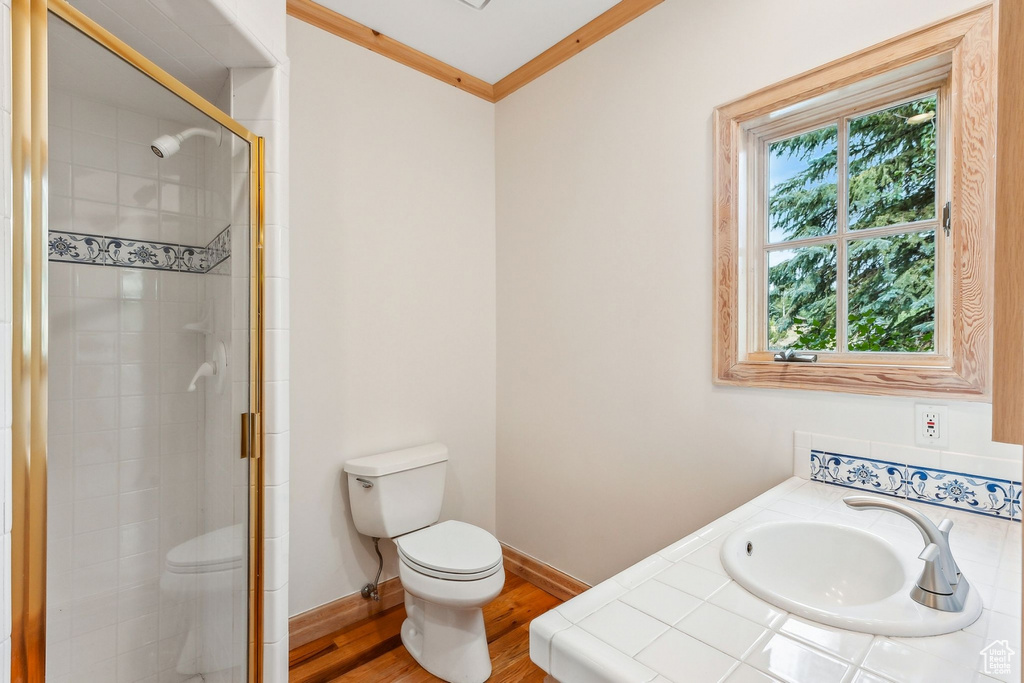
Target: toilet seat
x,y
452,550
449,576
220,550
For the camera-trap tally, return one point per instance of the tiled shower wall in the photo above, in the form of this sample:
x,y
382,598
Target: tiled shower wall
x,y
128,451
224,475
123,476
103,178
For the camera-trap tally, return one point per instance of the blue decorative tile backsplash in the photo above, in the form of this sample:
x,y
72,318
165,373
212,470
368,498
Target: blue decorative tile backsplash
x,y
113,251
955,490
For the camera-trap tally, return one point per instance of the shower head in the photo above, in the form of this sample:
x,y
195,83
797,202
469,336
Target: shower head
x,y
165,145
168,145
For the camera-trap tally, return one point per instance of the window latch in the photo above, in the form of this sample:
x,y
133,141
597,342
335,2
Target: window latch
x,y
947,218
791,356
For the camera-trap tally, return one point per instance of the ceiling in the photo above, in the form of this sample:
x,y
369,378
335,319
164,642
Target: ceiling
x,y
139,23
489,43
79,66
196,41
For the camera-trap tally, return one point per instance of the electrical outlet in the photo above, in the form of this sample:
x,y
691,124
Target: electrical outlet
x,y
931,426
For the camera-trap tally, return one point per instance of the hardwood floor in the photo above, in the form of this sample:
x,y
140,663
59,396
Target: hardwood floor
x,y
371,650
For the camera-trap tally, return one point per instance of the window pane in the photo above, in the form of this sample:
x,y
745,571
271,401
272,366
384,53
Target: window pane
x,y
802,298
892,293
892,165
802,185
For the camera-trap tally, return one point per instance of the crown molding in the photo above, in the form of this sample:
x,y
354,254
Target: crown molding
x,y
343,27
352,31
578,41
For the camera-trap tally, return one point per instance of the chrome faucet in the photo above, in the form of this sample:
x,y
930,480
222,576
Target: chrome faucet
x,y
941,585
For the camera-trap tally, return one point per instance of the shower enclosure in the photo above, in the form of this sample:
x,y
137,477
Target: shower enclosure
x,y
138,486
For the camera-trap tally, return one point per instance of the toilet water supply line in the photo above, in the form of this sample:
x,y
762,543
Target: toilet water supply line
x,y
370,590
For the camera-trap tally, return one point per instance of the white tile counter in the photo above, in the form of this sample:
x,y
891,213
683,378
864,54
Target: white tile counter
x,y
677,616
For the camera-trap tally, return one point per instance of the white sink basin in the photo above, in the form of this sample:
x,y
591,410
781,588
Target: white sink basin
x,y
839,576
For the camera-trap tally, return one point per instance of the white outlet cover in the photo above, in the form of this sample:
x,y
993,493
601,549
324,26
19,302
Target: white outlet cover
x,y
920,438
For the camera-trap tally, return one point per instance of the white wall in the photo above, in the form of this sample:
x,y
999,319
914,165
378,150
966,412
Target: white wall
x,y
612,440
393,299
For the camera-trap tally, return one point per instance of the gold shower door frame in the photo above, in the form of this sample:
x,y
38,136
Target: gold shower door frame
x,y
29,329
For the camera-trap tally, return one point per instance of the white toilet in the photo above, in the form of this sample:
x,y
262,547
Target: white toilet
x,y
208,569
449,570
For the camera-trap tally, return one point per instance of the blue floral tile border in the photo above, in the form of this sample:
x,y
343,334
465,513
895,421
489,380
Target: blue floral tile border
x,y
219,249
955,490
68,247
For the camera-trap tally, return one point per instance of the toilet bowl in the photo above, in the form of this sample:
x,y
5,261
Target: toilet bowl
x,y
449,572
206,571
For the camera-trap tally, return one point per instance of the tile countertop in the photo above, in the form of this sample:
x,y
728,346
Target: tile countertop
x,y
677,616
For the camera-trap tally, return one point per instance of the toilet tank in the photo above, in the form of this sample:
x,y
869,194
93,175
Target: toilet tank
x,y
397,492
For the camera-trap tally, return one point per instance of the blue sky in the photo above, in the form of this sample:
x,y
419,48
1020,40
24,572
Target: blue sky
x,y
782,167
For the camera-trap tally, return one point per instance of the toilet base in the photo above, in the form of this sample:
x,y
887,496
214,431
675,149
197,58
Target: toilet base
x,y
449,642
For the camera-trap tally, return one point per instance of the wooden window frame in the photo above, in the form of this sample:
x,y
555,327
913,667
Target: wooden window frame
x,y
1008,351
954,56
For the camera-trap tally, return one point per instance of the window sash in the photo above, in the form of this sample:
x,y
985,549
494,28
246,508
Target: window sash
x,y
758,142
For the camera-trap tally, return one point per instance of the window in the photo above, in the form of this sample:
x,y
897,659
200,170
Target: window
x,y
853,221
849,262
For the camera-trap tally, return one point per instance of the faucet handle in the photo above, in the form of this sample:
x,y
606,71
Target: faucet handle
x,y
205,370
944,528
933,579
930,553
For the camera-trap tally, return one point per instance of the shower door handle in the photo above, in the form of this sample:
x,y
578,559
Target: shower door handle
x,y
252,430
246,434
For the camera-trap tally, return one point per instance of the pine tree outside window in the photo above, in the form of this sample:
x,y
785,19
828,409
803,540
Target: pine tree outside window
x,y
851,232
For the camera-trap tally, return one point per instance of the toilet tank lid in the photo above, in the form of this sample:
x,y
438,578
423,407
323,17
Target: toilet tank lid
x,y
397,461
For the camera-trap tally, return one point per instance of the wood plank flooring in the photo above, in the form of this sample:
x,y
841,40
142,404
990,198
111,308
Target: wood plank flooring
x,y
371,650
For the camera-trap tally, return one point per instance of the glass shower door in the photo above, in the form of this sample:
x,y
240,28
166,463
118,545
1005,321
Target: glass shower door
x,y
148,484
